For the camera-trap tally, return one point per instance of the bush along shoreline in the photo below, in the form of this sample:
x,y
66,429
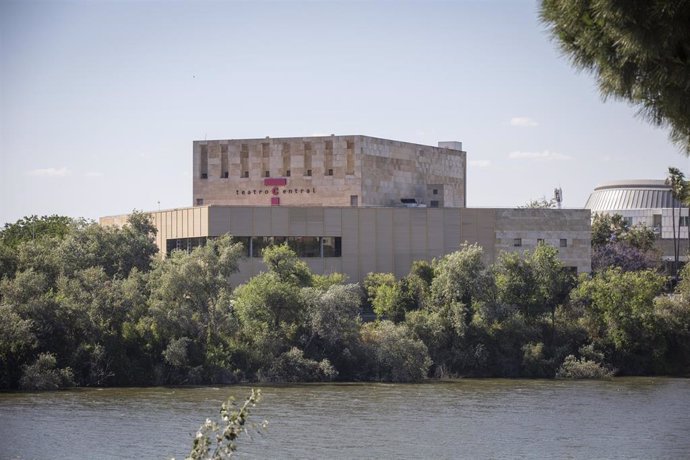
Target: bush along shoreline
x,y
84,305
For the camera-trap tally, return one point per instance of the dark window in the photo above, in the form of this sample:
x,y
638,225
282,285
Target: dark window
x,y
245,174
308,172
226,175
204,175
287,173
330,172
331,246
564,243
184,244
199,201
353,200
517,242
304,246
267,173
435,191
433,204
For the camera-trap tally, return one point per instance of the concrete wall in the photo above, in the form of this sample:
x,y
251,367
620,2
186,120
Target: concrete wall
x,y
385,239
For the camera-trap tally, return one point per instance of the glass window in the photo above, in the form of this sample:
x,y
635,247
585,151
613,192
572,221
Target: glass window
x,y
305,246
332,246
517,242
564,242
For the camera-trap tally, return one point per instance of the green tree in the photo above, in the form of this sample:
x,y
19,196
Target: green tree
x,y
619,317
190,296
639,51
460,280
680,192
33,227
284,262
394,353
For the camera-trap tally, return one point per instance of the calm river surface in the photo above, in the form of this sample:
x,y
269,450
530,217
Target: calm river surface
x,y
622,418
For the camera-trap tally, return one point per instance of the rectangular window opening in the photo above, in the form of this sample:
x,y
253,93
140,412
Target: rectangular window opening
x,y
517,242
564,242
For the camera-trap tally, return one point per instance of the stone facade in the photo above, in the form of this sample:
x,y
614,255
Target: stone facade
x,y
327,171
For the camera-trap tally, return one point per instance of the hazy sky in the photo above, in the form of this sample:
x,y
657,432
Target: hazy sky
x,y
100,101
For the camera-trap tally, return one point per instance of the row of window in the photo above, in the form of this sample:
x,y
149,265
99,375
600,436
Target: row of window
x,y
517,242
304,246
288,173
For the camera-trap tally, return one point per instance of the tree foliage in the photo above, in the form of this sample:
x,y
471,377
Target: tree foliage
x,y
88,309
638,50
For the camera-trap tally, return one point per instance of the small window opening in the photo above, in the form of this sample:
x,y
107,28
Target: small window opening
x,y
330,172
267,173
433,204
564,243
435,191
517,242
226,175
204,175
308,172
199,201
287,173
245,174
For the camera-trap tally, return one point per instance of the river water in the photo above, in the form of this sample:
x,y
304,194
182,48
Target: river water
x,y
622,418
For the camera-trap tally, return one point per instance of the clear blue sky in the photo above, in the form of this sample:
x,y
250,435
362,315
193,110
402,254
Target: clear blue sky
x,y
100,101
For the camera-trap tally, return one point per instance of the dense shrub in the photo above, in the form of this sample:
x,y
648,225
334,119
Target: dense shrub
x,y
573,368
292,366
43,374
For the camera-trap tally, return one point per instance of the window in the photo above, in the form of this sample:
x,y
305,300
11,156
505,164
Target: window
x,y
304,246
517,242
267,173
184,244
433,204
435,191
308,173
226,175
330,172
204,175
199,201
353,200
331,246
564,242
628,221
683,221
245,174
287,173
540,241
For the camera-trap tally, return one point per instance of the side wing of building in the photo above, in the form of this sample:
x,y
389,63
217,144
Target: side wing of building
x,y
357,241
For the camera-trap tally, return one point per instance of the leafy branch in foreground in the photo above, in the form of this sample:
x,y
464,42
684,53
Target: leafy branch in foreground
x,y
217,441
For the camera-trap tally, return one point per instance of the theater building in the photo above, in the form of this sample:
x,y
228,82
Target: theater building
x,y
353,204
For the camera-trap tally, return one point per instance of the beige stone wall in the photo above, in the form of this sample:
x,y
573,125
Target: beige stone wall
x,y
392,170
279,157
385,239
377,171
551,225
